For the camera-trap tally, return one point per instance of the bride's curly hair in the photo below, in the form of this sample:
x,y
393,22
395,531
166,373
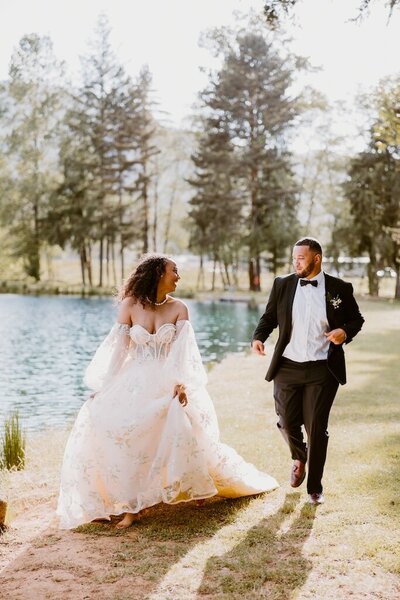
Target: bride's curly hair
x,y
142,283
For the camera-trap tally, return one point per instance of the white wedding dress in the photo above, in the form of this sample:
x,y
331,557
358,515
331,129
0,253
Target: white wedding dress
x,y
134,445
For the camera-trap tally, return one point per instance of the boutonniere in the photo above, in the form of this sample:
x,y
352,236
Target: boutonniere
x,y
336,301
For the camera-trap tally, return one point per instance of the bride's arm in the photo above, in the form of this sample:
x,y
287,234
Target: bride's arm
x,y
123,341
111,353
185,358
183,316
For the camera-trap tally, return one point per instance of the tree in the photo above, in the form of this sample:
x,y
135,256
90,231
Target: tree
x,y
386,136
145,151
105,158
73,204
276,10
250,95
215,209
33,110
104,81
170,190
370,190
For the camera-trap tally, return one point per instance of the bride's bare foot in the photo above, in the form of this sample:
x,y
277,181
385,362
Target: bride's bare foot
x,y
127,521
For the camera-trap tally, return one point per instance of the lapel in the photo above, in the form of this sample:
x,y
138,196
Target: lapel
x,y
330,293
291,291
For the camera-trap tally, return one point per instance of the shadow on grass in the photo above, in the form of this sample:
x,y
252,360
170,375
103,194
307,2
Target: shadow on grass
x,y
376,398
268,563
104,562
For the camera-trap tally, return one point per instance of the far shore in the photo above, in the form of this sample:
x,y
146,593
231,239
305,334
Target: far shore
x,y
231,294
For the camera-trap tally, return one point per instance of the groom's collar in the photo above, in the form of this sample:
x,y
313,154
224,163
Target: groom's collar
x,y
319,277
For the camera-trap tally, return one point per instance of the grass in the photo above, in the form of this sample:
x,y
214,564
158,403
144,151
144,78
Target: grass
x,y
274,546
13,444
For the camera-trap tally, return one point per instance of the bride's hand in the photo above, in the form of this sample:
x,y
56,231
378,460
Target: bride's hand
x,y
180,391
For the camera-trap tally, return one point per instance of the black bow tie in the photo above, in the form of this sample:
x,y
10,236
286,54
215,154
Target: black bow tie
x,y
313,282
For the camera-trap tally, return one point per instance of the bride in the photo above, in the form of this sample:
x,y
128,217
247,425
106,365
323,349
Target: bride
x,y
149,432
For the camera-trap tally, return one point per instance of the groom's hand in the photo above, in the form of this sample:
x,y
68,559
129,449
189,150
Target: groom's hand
x,y
336,336
258,347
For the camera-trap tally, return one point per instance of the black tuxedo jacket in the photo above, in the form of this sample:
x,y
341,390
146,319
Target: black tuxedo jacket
x,y
341,310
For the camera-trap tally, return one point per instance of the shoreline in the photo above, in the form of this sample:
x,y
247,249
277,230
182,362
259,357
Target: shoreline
x,y
253,299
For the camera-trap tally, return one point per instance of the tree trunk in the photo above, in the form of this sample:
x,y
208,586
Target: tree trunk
x,y
169,218
145,232
101,253
235,268
254,274
373,281
222,274
122,257
33,258
213,274
89,264
114,268
226,268
155,212
200,275
108,260
397,288
82,256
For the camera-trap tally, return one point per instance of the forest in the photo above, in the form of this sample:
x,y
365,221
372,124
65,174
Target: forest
x,y
93,168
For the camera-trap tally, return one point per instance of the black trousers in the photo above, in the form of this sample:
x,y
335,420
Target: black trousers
x,y
304,394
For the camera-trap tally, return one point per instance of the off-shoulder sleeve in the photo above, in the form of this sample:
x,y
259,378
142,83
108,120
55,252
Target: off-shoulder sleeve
x,y
109,357
184,364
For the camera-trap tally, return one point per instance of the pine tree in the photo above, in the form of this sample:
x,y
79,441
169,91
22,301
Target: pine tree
x,y
34,99
215,213
250,95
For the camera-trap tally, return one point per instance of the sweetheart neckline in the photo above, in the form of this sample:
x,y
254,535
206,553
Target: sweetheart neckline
x,y
147,331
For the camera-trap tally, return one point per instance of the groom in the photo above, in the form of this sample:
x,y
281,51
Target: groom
x,y
316,314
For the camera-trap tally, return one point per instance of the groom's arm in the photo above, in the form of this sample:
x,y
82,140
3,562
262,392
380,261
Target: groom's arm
x,y
353,317
269,319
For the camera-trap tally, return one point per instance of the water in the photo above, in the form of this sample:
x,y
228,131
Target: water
x,y
47,341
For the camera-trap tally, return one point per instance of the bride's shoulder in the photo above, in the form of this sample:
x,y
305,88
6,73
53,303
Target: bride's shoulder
x,y
181,308
125,309
128,301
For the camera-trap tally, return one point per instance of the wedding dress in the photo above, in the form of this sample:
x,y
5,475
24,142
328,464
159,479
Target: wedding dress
x,y
134,445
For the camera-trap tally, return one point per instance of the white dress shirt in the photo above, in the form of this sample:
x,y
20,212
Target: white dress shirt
x,y
309,323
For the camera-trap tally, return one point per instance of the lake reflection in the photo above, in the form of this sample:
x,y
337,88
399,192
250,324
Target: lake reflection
x,y
47,341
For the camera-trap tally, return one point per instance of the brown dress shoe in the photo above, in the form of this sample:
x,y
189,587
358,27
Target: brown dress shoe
x,y
298,473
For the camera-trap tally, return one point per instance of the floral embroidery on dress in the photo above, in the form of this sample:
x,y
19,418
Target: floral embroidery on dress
x,y
134,445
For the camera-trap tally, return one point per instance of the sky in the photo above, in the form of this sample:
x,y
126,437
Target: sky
x,y
164,34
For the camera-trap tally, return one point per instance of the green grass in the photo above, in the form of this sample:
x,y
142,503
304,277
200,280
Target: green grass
x,y
359,526
13,444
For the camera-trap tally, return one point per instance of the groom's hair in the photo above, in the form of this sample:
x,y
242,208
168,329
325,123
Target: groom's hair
x,y
312,243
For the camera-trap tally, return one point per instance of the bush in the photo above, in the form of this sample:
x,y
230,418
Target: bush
x,y
13,444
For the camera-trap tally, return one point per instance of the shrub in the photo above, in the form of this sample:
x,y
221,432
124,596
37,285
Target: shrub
x,y
13,444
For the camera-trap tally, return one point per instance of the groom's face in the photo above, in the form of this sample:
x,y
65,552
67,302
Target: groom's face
x,y
306,262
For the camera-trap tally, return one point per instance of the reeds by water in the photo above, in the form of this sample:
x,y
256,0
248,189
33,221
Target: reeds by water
x,y
12,450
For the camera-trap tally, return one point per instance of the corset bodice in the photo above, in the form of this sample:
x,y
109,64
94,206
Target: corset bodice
x,y
152,345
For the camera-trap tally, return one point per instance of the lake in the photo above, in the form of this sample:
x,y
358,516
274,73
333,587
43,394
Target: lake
x,y
47,341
